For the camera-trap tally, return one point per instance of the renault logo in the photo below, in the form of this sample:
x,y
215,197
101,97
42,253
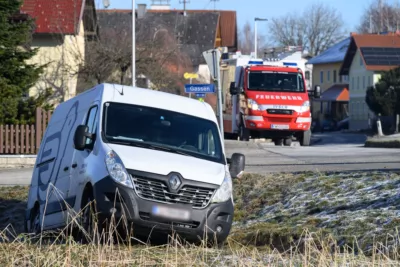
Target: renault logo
x,y
174,182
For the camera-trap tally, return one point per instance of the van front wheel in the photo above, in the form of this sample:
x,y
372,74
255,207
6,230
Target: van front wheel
x,y
34,221
89,232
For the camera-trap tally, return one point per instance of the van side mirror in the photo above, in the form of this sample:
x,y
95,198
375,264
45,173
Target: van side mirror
x,y
317,91
81,134
233,90
236,165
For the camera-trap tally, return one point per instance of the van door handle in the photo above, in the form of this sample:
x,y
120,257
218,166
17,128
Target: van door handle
x,y
74,165
66,169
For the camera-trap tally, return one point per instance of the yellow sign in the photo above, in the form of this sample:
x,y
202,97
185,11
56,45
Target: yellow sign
x,y
188,75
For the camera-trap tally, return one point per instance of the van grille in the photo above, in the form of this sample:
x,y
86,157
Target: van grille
x,y
280,111
155,190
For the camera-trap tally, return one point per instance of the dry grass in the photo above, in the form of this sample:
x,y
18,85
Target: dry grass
x,y
297,240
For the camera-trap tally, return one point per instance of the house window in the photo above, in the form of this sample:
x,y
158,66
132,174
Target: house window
x,y
358,82
363,83
369,81
328,78
352,84
321,77
340,78
307,75
361,61
334,76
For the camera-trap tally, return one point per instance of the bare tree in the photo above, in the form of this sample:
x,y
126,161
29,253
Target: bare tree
x,y
380,16
108,57
316,29
246,40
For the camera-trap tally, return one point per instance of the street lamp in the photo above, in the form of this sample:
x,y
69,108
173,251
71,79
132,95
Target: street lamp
x,y
255,33
106,4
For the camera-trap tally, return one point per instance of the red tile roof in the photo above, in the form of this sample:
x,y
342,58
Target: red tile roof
x,y
337,92
55,16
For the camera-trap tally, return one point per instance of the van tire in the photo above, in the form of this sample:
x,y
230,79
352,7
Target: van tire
x,y
278,141
305,138
34,218
288,141
88,220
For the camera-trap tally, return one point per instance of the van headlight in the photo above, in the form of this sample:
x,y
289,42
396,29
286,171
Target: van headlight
x,y
224,192
305,107
117,170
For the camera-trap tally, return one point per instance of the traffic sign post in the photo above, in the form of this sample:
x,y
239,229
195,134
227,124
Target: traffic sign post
x,y
190,76
213,58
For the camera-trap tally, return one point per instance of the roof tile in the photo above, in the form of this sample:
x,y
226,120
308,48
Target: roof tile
x,y
54,16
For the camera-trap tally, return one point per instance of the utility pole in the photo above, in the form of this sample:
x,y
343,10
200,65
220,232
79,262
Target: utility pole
x,y
215,2
106,4
184,2
133,43
255,34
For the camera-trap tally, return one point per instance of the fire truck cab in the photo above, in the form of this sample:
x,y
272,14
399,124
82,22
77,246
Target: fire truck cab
x,y
270,101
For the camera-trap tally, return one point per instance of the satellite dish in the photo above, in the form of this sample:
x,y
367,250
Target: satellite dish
x,y
106,3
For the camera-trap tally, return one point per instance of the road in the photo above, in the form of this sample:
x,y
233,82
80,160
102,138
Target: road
x,y
333,152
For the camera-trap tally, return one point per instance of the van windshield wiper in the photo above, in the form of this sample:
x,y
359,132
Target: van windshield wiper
x,y
152,146
167,149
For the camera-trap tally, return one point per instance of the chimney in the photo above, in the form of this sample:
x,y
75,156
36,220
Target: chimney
x,y
141,10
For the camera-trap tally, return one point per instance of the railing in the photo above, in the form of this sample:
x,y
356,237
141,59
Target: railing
x,y
24,139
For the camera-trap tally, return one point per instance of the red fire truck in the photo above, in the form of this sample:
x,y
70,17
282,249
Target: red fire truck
x,y
266,101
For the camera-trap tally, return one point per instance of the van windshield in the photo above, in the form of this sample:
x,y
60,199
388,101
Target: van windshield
x,y
275,81
163,130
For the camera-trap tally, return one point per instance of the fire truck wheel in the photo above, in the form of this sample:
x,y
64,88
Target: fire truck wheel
x,y
278,142
288,141
305,138
244,133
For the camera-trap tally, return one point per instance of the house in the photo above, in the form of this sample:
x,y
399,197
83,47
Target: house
x,y
333,103
195,31
367,56
62,28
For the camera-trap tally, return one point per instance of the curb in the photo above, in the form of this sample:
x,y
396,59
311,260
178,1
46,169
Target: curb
x,y
383,143
315,140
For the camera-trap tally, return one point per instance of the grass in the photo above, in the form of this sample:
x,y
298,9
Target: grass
x,y
304,219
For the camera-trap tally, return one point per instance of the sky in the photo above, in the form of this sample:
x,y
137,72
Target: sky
x,y
247,10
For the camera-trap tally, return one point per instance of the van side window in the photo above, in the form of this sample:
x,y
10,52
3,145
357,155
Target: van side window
x,y
90,121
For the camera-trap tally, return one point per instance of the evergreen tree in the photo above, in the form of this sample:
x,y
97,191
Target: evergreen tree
x,y
384,97
16,74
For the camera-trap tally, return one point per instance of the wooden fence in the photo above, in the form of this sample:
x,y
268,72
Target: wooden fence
x,y
24,139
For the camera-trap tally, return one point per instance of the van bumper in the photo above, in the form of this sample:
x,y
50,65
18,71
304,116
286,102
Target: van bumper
x,y
214,221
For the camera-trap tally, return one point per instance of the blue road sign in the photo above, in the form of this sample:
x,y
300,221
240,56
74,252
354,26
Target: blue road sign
x,y
199,88
200,95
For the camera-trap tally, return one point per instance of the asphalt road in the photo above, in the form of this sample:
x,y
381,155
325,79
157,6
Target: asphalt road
x,y
332,152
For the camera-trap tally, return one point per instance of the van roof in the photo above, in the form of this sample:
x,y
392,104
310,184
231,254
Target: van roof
x,y
152,98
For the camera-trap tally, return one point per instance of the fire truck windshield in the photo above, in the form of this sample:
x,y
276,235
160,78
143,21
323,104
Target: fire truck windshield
x,y
275,81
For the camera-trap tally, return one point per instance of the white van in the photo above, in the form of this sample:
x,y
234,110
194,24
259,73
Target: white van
x,y
163,153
